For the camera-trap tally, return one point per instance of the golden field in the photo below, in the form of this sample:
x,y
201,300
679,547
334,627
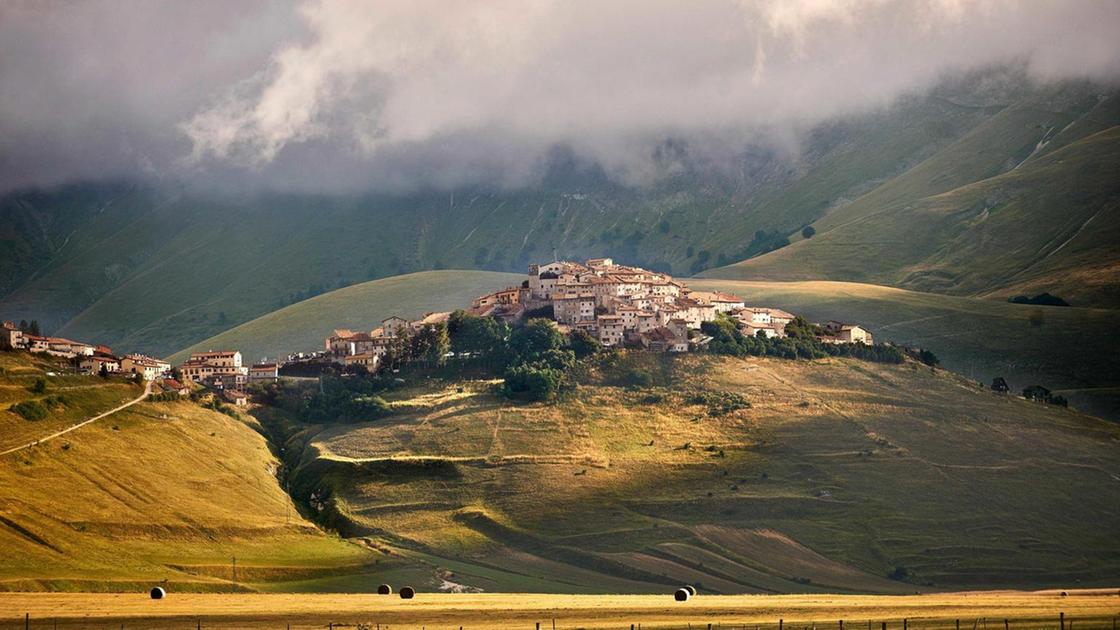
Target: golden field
x,y
1083,609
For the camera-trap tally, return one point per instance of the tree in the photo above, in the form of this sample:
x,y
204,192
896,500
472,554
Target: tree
x,y
530,383
808,231
929,358
483,337
24,327
103,372
430,344
583,344
39,386
534,339
33,328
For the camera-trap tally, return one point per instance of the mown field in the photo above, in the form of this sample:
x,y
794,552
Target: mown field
x,y
304,326
159,491
1074,350
839,474
500,611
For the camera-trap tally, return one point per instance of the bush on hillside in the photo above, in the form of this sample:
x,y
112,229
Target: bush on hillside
x,y
1042,299
30,410
525,382
39,386
583,344
808,231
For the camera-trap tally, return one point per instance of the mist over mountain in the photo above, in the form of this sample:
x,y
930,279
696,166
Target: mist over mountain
x,y
326,96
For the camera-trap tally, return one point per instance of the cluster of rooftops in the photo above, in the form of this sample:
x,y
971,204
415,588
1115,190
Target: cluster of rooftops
x,y
616,304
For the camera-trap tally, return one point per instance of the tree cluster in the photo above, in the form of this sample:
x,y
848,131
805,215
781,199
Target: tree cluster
x,y
800,342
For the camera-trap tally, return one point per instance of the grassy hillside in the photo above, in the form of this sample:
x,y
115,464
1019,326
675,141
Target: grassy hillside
x,y
161,267
159,491
967,221
304,326
838,473
1074,350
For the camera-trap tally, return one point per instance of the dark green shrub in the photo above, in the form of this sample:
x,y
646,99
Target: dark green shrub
x,y
30,410
531,383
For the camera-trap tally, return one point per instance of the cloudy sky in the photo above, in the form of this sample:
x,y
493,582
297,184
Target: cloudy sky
x,y
348,94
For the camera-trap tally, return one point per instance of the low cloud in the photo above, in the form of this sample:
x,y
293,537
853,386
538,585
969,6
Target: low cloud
x,y
345,94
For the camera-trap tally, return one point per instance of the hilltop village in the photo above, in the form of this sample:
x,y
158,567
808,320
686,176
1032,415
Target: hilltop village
x,y
618,305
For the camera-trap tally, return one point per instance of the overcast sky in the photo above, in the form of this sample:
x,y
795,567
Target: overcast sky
x,y
328,94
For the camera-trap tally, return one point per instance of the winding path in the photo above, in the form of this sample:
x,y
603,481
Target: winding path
x,y
147,392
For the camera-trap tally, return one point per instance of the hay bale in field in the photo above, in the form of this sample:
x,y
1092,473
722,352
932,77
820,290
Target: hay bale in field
x,y
384,589
157,593
682,595
691,589
408,592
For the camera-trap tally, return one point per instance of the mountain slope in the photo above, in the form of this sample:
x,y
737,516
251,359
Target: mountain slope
x,y
966,222
838,473
158,267
303,326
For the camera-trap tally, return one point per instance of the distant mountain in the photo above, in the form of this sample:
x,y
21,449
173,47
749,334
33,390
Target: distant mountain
x,y
160,267
1027,202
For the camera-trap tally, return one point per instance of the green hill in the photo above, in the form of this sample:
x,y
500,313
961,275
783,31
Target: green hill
x,y
1063,348
838,473
159,267
304,326
966,222
159,491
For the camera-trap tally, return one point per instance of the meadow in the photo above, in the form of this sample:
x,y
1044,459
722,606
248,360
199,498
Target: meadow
x,y
302,327
1084,609
739,476
161,491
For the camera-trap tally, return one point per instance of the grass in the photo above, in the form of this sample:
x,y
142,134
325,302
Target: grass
x,y
69,398
159,491
947,226
839,472
304,326
1070,349
500,611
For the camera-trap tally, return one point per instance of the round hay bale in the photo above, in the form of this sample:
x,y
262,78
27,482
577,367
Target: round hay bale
x,y
158,593
682,595
384,589
408,592
691,589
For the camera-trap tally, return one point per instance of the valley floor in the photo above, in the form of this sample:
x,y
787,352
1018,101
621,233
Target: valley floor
x,y
1041,609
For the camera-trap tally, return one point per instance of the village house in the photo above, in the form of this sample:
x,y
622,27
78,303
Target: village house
x,y
719,301
611,330
93,365
144,366
840,332
11,337
368,360
203,365
237,397
172,385
264,371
